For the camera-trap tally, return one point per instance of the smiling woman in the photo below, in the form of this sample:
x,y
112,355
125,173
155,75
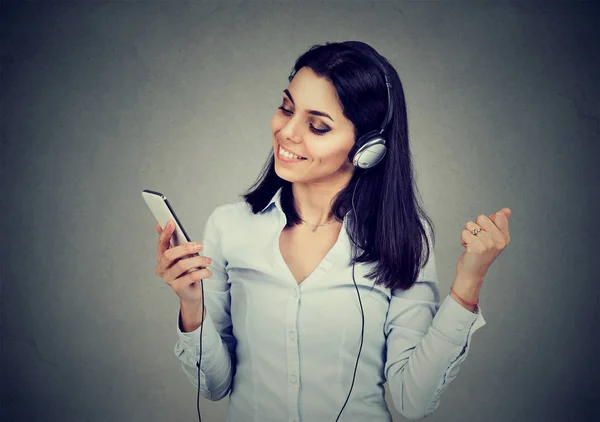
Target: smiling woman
x,y
323,256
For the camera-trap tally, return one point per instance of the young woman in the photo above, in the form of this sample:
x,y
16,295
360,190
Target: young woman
x,y
321,285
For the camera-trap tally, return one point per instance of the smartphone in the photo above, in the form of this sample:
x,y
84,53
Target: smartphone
x,y
163,212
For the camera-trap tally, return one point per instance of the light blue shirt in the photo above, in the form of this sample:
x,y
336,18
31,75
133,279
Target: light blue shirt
x,y
286,351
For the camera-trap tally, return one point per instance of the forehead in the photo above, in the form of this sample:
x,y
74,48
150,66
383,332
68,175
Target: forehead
x,y
312,91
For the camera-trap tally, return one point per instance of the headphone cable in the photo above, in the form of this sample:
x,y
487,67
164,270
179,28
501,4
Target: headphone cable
x,y
362,329
200,358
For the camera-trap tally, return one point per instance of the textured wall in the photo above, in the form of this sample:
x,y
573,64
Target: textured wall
x,y
103,99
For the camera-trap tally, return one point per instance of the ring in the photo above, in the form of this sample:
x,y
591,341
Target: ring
x,y
475,231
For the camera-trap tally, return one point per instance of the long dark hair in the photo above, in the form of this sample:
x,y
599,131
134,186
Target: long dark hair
x,y
388,227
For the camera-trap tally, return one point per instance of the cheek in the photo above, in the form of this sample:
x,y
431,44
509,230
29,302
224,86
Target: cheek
x,y
276,123
327,155
334,150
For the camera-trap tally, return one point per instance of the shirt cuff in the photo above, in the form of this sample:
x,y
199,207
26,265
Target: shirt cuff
x,y
210,337
455,322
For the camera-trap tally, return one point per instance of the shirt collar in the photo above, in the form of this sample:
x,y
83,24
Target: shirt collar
x,y
276,199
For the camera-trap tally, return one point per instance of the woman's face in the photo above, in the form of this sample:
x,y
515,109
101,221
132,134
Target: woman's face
x,y
310,124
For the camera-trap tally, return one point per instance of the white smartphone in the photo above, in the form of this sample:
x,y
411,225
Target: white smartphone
x,y
163,212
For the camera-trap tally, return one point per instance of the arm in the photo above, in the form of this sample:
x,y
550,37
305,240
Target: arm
x,y
426,343
218,343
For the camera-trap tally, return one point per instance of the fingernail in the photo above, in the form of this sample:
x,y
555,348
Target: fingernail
x,y
209,260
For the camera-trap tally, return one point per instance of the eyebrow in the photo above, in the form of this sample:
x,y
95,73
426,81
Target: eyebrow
x,y
313,112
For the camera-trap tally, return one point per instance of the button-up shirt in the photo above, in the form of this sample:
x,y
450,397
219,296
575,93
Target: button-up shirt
x,y
285,351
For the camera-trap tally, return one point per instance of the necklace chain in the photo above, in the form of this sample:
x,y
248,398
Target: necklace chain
x,y
315,226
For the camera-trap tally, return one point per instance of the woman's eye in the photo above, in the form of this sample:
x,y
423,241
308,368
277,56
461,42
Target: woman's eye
x,y
312,128
318,131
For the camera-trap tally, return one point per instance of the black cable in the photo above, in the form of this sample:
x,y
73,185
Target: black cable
x,y
362,329
200,359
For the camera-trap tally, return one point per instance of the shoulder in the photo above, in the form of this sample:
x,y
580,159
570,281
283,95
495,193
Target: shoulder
x,y
231,214
236,226
231,210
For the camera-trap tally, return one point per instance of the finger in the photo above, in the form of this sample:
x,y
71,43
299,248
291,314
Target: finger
x,y
467,239
187,279
167,232
190,263
491,229
164,240
501,221
480,240
203,261
173,257
160,232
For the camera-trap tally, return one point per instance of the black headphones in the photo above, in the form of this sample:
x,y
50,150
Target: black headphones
x,y
370,148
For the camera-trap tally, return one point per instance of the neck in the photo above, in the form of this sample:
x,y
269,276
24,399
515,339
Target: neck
x,y
314,200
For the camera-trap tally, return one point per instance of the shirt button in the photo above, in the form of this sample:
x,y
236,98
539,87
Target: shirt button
x,y
293,379
295,293
292,335
460,326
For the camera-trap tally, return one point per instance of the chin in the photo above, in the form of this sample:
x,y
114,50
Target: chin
x,y
283,174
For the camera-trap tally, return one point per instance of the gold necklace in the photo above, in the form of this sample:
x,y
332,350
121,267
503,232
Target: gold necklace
x,y
314,229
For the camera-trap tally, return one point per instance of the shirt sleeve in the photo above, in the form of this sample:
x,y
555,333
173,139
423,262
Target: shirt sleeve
x,y
217,364
426,343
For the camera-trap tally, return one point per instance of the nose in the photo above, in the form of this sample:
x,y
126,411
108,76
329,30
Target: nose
x,y
290,132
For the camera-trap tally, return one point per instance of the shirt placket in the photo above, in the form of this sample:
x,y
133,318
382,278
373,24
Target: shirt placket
x,y
293,361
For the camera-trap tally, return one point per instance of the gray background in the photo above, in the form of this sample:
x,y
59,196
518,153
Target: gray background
x,y
101,100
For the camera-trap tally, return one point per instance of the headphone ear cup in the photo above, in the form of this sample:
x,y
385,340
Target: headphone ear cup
x,y
369,150
360,142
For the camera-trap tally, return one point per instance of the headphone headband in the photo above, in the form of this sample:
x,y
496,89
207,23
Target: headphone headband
x,y
390,104
370,148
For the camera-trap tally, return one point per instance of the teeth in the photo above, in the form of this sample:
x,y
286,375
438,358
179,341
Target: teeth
x,y
287,154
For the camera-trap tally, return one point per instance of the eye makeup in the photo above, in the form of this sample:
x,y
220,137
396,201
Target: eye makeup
x,y
315,130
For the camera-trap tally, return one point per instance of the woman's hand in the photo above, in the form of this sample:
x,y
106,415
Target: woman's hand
x,y
180,267
483,248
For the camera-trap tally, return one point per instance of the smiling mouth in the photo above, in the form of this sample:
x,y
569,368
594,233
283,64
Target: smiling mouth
x,y
288,155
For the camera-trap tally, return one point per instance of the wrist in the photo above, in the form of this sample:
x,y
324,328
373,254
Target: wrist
x,y
192,315
470,306
467,289
466,293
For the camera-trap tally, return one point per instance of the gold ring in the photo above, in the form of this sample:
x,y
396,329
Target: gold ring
x,y
475,231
